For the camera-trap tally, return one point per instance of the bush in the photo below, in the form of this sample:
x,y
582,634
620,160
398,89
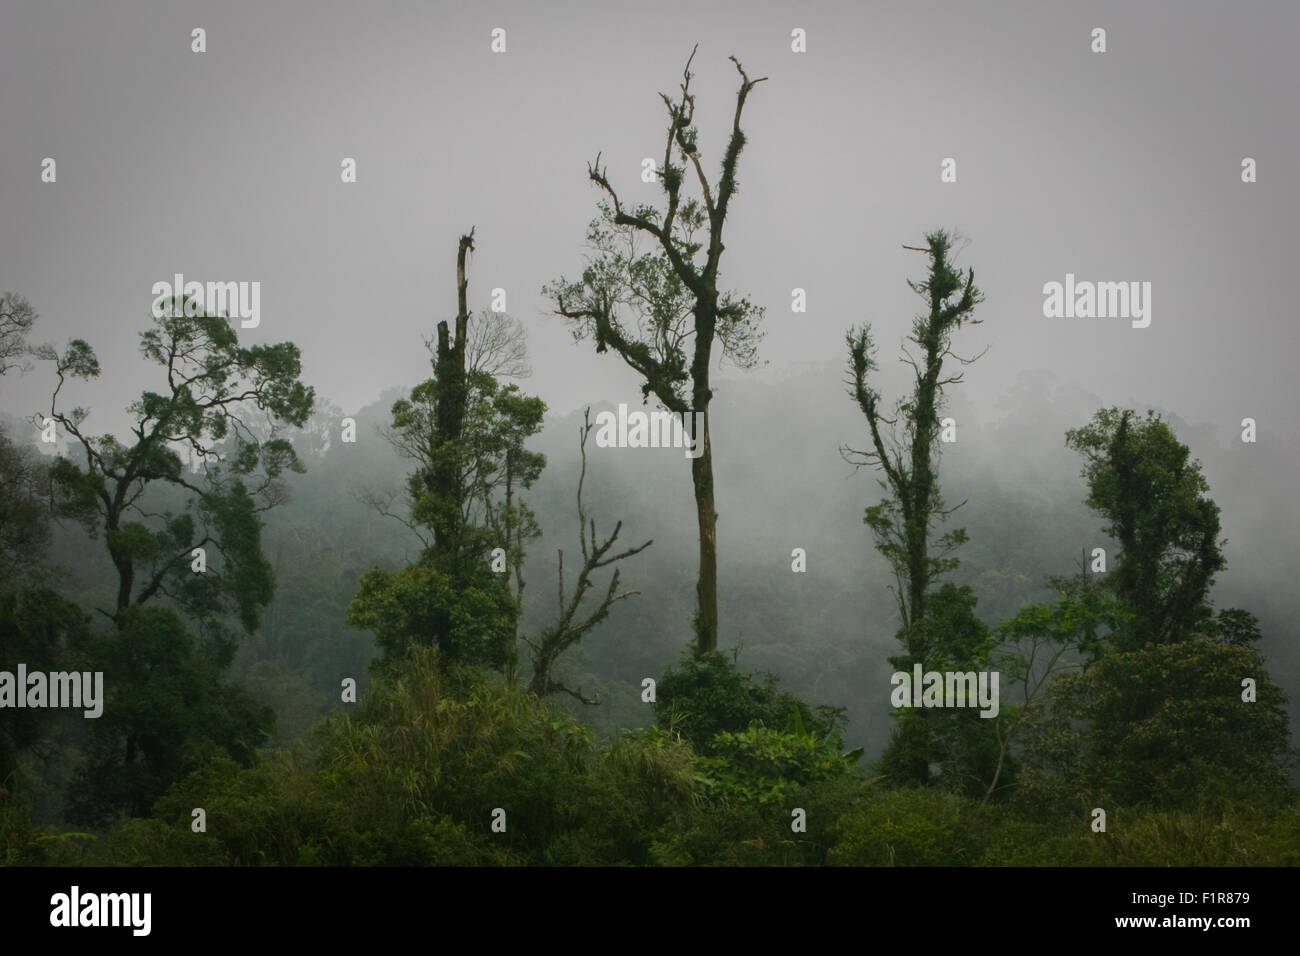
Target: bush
x,y
705,696
911,827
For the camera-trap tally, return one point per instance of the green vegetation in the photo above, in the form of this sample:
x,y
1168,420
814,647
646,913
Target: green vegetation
x,y
228,594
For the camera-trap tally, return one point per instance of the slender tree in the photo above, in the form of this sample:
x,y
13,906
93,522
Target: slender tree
x,y
450,406
574,621
664,312
905,448
902,522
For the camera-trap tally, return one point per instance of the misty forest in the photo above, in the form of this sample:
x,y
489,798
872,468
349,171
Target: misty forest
x,y
688,625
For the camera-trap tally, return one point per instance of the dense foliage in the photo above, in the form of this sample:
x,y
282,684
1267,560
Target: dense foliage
x,y
1125,690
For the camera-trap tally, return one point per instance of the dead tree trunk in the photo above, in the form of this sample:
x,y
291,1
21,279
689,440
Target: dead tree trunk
x,y
570,626
449,425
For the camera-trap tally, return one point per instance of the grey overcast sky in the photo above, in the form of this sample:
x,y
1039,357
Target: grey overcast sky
x,y
225,165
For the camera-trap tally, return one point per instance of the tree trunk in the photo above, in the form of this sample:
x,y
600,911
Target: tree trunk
x,y
124,566
706,587
449,424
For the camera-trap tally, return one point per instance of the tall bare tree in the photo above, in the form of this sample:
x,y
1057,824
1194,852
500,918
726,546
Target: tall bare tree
x,y
662,311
